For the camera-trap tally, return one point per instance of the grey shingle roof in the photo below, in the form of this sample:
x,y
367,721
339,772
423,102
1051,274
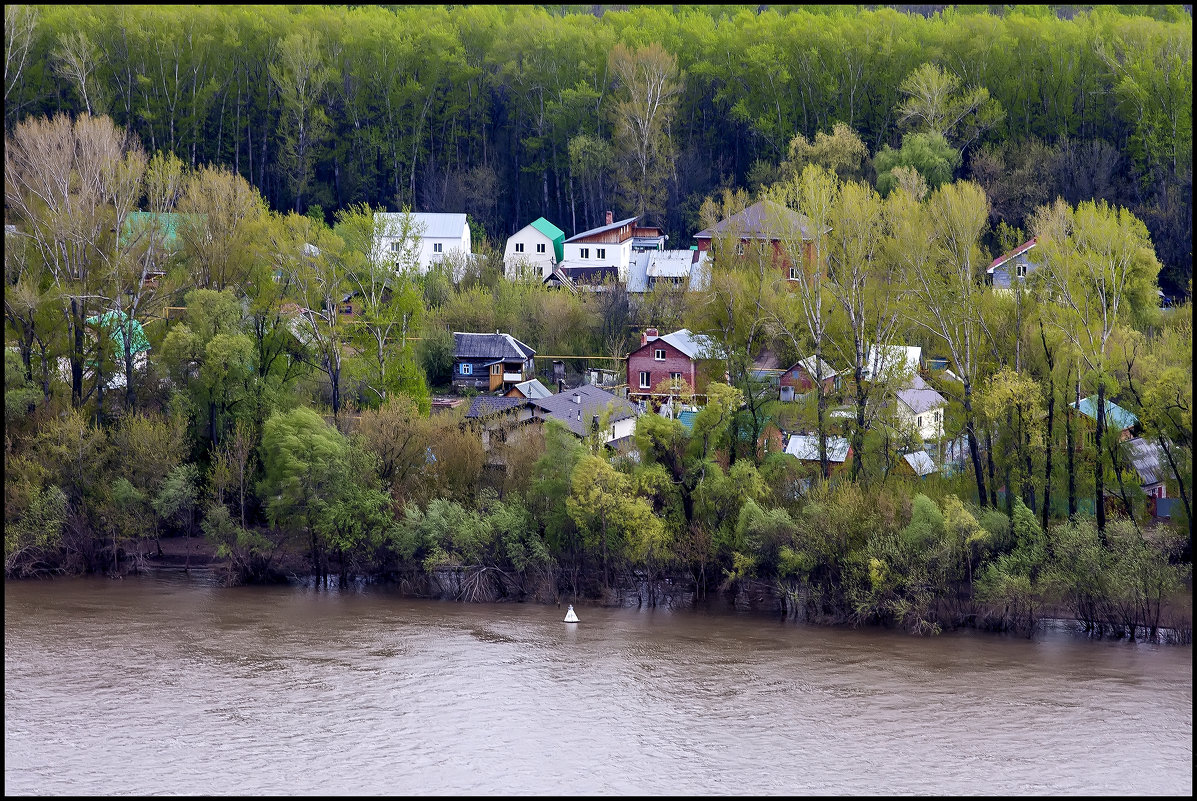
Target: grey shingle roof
x,y
483,405
489,346
577,415
921,400
762,220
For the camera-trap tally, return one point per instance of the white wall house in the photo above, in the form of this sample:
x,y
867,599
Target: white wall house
x,y
536,246
920,408
442,234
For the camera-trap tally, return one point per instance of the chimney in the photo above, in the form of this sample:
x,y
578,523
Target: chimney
x,y
651,334
577,399
610,218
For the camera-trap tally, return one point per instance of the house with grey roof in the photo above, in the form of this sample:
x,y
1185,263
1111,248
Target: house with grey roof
x,y
805,448
802,376
491,362
678,358
920,408
532,388
441,236
587,409
608,249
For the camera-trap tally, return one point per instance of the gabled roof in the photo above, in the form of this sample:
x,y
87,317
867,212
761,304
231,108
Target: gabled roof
x,y
695,346
485,405
436,225
808,364
764,219
576,408
921,463
1005,257
555,234
116,322
806,447
893,359
532,388
1115,414
138,221
602,229
1147,459
921,400
489,346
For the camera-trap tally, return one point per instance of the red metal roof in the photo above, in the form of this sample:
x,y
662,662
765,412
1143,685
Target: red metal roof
x,y
1005,257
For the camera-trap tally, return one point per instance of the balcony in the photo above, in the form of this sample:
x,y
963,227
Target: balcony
x,y
513,377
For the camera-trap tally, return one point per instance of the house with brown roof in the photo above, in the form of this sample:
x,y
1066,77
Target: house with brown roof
x,y
768,228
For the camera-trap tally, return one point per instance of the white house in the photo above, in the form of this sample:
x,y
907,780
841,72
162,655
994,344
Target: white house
x,y
921,408
607,251
539,245
893,363
441,235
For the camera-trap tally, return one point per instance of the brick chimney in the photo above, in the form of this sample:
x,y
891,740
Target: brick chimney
x,y
610,218
647,336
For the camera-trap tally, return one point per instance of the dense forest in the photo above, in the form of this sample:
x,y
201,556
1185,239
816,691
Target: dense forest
x,y
510,113
201,379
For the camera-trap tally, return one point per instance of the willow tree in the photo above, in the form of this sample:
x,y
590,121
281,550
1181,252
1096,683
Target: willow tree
x,y
1099,264
651,86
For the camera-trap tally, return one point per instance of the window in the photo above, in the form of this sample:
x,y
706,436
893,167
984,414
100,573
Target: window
x,y
739,248
396,246
644,380
540,248
519,247
1022,271
793,273
496,369
920,422
600,253
675,377
659,354
467,369
438,247
585,253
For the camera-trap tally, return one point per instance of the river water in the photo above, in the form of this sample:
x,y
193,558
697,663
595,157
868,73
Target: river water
x,y
169,684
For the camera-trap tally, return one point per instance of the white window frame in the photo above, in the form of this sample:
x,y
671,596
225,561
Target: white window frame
x,y
519,247
496,369
658,354
740,248
584,253
466,369
600,253
540,247
438,247
644,379
396,246
1021,270
793,273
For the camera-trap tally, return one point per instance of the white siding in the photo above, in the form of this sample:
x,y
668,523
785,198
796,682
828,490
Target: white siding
x,y
530,238
619,255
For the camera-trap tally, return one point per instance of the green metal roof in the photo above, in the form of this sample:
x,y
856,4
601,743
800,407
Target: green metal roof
x,y
138,221
552,232
1115,414
115,322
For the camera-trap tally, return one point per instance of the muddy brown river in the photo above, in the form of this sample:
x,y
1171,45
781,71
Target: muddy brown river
x,y
169,684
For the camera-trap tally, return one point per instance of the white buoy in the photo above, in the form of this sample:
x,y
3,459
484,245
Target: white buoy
x,y
570,617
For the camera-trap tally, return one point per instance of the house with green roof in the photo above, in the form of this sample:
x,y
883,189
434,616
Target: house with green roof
x,y
139,225
535,249
1120,419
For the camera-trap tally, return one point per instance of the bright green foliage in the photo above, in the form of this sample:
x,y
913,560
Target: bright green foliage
x,y
928,153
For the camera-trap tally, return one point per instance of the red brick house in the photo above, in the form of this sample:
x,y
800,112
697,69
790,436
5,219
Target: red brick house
x,y
673,358
800,378
765,225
